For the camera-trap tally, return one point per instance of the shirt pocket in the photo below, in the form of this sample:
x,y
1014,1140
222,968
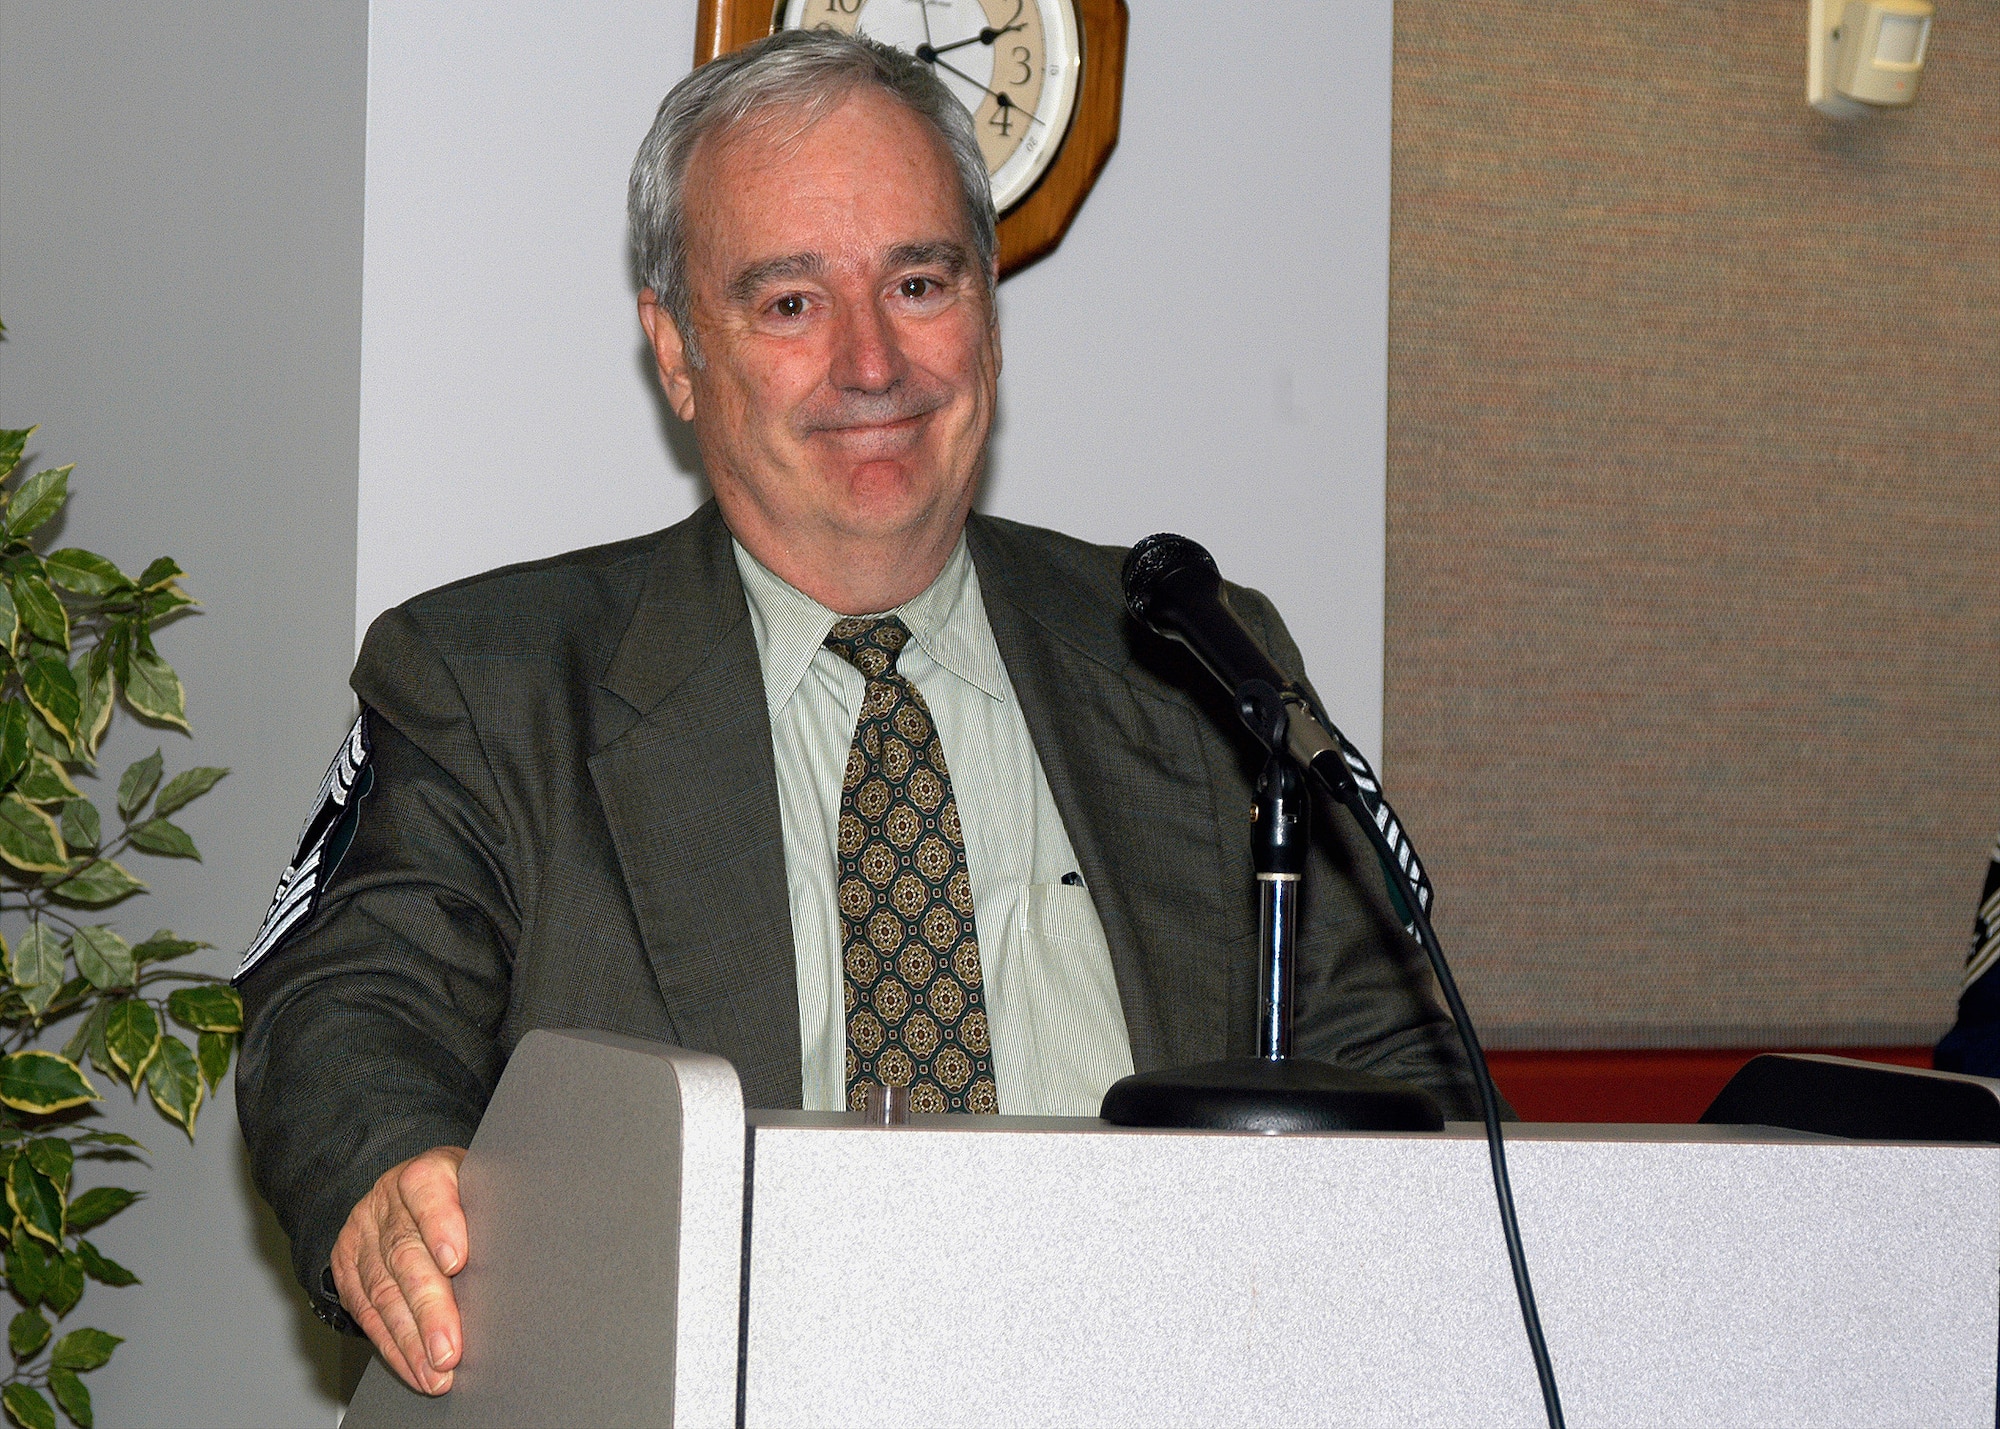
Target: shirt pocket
x,y
1060,912
1069,996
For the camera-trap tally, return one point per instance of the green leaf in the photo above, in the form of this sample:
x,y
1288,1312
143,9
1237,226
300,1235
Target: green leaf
x,y
100,1055
51,689
154,690
107,1138
100,1269
37,499
132,1036
42,1082
209,1007
26,1333
40,609
103,957
84,1349
36,1201
212,1050
159,573
79,1040
157,605
46,782
95,693
164,947
81,826
28,1265
41,737
184,788
13,441
137,783
116,642
65,1283
97,884
51,1156
27,1407
29,838
174,1081
37,964
10,620
69,997
167,839
72,1396
98,1205
15,747
84,572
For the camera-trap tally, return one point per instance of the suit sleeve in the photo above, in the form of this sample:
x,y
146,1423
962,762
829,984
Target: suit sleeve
x,y
1366,997
370,1028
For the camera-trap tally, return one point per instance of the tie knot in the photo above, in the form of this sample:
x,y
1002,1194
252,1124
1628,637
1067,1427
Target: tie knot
x,y
870,643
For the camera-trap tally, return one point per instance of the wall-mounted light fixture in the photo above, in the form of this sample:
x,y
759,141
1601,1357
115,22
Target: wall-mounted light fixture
x,y
1863,55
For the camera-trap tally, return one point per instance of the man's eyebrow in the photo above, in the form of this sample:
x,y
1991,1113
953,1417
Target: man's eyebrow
x,y
951,257
746,284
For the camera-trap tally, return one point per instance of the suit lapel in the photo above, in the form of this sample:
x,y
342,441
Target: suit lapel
x,y
689,790
1128,763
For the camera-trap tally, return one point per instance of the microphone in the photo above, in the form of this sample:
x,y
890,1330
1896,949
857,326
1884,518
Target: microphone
x,y
1173,587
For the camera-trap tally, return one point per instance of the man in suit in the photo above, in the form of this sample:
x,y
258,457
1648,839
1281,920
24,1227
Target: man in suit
x,y
834,779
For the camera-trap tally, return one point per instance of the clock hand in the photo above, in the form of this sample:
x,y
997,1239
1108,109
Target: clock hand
x,y
1000,96
985,37
924,9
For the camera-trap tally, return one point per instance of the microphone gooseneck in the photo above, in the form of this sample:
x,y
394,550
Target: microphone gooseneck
x,y
1173,586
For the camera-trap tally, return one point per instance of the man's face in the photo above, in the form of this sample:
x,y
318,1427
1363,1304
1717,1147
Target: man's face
x,y
849,347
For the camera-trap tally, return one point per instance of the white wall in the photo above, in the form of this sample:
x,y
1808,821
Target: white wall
x,y
1206,352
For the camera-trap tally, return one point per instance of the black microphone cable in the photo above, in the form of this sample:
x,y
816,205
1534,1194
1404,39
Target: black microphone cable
x,y
1347,792
1237,660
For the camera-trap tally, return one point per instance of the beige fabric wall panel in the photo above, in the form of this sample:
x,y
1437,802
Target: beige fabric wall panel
x,y
1693,598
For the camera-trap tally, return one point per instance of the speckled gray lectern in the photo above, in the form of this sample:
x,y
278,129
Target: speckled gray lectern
x,y
1014,1271
604,1205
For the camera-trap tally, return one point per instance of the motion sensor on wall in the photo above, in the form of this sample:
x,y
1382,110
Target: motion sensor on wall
x,y
1863,55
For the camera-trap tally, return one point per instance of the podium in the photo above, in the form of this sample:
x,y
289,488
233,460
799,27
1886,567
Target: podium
x,y
643,1253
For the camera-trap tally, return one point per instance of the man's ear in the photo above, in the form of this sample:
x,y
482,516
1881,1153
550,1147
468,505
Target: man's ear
x,y
993,312
669,352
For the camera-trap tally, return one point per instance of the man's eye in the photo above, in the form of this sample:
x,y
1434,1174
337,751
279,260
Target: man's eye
x,y
917,287
790,306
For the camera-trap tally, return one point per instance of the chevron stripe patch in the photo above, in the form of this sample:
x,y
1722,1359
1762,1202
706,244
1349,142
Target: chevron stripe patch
x,y
328,831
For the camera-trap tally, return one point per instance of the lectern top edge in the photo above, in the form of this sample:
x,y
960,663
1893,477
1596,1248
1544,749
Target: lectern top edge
x,y
1637,1133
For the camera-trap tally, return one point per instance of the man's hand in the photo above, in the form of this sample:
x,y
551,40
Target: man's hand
x,y
393,1265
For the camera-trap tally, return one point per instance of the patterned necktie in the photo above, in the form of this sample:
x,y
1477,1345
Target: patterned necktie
x,y
916,1010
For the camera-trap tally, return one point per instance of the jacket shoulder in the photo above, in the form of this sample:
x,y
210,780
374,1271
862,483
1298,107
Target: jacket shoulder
x,y
534,600
1094,569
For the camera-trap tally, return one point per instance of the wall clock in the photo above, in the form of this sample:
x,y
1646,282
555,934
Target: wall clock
x,y
1042,79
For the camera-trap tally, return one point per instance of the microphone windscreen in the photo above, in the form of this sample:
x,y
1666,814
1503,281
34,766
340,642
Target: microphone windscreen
x,y
1156,560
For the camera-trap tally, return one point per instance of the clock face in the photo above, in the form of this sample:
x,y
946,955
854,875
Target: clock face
x,y
1013,64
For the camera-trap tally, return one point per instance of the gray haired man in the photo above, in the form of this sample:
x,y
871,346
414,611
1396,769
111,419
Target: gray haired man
x,y
834,779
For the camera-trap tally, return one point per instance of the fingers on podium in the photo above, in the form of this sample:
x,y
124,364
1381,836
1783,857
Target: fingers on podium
x,y
393,1263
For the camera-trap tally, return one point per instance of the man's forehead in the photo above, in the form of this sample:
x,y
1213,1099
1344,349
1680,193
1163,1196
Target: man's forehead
x,y
781,188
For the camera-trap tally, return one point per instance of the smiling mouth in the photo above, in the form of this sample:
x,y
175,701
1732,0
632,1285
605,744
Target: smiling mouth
x,y
894,424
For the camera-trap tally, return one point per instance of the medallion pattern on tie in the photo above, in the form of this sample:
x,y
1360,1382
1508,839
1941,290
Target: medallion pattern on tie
x,y
916,1008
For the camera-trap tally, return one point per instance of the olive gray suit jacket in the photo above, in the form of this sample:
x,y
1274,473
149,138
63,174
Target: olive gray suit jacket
x,y
574,823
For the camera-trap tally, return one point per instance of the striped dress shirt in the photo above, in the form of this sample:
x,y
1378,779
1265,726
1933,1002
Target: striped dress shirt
x,y
1051,999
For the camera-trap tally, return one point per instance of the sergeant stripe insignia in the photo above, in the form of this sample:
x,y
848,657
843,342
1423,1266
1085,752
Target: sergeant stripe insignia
x,y
328,831
1985,927
1391,827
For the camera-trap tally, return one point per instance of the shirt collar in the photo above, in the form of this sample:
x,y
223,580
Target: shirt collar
x,y
948,620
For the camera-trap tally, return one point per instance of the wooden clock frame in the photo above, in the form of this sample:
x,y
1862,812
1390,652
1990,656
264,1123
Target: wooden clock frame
x,y
1036,223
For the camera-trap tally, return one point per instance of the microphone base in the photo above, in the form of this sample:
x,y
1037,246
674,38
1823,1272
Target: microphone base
x,y
1260,1094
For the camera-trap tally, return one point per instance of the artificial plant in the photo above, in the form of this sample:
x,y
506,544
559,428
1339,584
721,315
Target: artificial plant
x,y
76,640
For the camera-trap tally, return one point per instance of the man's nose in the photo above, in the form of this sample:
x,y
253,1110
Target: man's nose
x,y
867,351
